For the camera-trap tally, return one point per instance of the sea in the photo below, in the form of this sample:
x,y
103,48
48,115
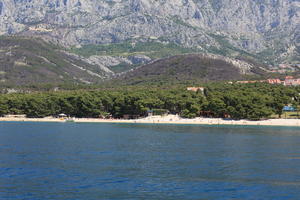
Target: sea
x,y
70,161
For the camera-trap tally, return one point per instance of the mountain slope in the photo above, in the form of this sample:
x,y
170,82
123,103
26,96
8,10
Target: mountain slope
x,y
27,60
191,67
263,29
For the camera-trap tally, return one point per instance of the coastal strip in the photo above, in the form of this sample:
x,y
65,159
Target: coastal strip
x,y
168,119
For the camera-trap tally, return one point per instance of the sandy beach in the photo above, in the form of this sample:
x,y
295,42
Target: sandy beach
x,y
168,119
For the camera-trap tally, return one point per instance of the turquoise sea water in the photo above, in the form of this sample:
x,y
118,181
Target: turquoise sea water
x,y
134,161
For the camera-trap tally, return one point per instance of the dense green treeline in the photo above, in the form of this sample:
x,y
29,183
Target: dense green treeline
x,y
248,101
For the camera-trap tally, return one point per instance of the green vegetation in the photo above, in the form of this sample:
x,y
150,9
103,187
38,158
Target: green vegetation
x,y
122,67
227,49
151,49
154,50
237,101
289,115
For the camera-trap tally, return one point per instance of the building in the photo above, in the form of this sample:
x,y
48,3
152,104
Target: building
x,y
274,81
195,89
149,113
62,115
290,81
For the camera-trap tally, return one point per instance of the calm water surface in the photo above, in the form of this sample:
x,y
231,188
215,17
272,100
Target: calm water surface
x,y
123,161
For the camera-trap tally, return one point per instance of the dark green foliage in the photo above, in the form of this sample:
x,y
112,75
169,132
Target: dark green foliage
x,y
237,101
160,111
250,101
3,106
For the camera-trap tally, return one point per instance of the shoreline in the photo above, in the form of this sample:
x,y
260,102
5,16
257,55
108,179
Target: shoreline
x,y
169,119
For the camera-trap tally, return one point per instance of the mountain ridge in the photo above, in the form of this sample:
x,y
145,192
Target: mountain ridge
x,y
30,61
266,29
192,67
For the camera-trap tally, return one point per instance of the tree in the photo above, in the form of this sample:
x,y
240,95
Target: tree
x,y
3,106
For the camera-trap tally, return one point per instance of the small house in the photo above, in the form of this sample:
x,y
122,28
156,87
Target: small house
x,y
62,115
274,81
149,113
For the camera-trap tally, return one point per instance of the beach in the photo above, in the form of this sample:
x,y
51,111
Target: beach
x,y
168,119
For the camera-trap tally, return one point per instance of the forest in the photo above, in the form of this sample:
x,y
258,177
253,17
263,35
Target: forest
x,y
236,101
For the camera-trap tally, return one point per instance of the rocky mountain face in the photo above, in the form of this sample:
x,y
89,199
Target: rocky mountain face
x,y
267,30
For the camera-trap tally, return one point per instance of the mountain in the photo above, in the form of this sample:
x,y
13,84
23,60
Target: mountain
x,y
192,67
31,61
25,60
266,30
